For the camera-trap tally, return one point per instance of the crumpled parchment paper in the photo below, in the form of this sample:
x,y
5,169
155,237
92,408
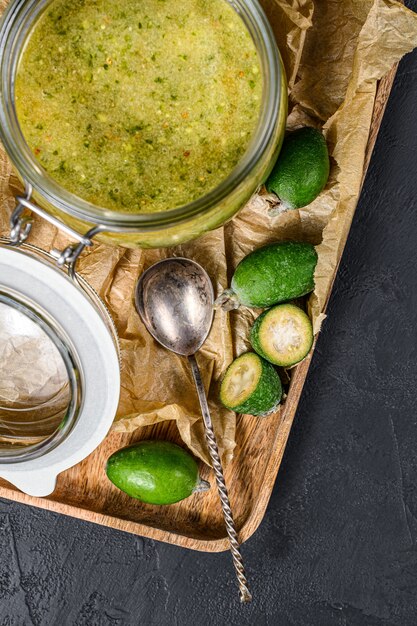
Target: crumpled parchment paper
x,y
334,53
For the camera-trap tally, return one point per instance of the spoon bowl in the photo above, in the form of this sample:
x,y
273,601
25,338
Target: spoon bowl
x,y
175,299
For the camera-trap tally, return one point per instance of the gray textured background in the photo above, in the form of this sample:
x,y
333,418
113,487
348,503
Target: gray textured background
x,y
338,543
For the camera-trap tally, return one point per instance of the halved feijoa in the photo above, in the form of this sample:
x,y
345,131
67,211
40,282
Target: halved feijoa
x,y
283,335
156,472
251,385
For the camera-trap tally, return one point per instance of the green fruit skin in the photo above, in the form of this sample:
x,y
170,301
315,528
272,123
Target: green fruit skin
x,y
156,472
275,273
302,169
265,398
256,344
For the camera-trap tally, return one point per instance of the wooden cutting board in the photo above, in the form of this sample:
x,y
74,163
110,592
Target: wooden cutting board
x,y
197,523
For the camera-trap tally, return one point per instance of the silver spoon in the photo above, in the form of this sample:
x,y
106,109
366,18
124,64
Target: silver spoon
x,y
175,298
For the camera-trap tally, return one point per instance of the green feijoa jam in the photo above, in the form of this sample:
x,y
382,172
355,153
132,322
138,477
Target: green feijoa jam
x,y
139,107
156,472
301,171
283,335
272,274
251,386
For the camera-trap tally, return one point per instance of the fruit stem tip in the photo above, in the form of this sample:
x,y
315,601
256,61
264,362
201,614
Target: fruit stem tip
x,y
227,301
279,208
202,485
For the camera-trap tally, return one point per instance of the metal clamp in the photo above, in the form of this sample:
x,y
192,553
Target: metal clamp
x,y
21,225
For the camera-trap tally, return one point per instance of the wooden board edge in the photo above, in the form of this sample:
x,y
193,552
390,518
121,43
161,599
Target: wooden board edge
x,y
117,523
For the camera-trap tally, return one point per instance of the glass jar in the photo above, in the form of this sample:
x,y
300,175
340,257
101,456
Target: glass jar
x,y
153,229
60,370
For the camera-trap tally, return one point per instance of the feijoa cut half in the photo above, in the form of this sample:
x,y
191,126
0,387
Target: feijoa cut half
x,y
282,335
274,273
156,472
251,386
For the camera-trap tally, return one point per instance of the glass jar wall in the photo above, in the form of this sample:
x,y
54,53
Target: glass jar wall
x,y
165,228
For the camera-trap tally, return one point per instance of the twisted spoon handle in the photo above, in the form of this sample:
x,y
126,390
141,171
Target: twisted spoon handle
x,y
245,595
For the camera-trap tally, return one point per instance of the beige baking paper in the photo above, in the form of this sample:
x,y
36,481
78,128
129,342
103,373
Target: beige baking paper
x,y
334,53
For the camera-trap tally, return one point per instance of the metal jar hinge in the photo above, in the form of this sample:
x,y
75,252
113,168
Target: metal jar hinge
x,y
21,224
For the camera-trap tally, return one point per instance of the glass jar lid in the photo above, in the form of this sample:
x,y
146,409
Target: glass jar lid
x,y
60,373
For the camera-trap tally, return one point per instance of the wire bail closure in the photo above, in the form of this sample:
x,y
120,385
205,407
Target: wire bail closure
x,y
21,225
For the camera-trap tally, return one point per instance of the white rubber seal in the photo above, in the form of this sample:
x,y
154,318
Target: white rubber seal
x,y
54,292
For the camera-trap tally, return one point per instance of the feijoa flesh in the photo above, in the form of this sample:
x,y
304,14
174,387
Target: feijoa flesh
x,y
282,335
301,171
251,386
156,472
274,273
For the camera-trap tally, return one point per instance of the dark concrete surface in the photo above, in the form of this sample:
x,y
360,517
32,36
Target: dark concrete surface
x,y
338,543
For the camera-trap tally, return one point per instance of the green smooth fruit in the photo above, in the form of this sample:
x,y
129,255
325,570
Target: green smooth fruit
x,y
156,472
272,274
301,171
283,335
251,385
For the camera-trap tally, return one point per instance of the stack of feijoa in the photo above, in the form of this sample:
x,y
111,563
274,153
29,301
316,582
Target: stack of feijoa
x,y
272,276
281,335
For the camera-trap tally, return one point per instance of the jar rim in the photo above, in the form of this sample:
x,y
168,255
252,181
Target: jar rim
x,y
75,318
16,24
